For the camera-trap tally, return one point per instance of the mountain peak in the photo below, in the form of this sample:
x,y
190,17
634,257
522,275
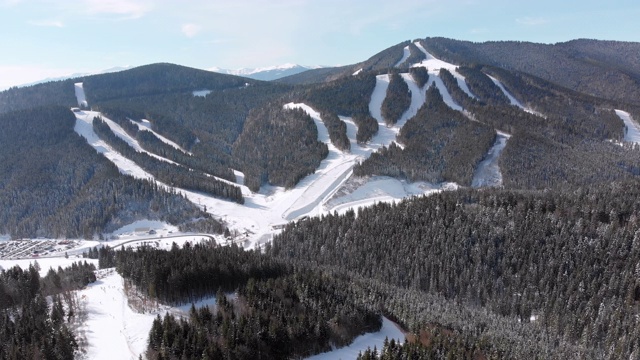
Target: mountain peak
x,y
266,73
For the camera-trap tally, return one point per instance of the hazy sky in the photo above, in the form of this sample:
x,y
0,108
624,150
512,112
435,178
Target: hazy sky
x,y
48,38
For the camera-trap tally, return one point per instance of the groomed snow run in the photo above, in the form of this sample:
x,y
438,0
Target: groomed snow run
x,y
406,52
389,331
255,222
632,133
488,172
434,65
145,125
112,329
80,97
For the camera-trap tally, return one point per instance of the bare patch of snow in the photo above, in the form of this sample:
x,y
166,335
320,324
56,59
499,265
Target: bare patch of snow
x,y
201,93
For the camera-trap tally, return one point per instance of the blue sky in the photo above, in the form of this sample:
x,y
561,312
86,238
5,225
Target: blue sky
x,y
49,38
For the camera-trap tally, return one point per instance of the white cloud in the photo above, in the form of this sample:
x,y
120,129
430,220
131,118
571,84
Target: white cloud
x,y
128,9
532,21
191,30
46,23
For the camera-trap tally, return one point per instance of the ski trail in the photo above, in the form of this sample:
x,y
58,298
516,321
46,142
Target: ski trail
x,y
329,177
632,133
377,97
145,125
488,173
446,96
80,96
84,127
512,99
122,134
434,65
405,55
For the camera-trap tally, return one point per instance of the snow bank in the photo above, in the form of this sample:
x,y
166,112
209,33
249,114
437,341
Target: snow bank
x,y
632,133
389,331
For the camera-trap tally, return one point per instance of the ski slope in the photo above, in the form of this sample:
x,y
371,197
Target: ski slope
x,y
434,65
632,133
254,223
145,125
511,98
389,331
406,52
488,172
79,90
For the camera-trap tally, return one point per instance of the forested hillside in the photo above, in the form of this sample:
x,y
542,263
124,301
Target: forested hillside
x,y
544,265
561,261
440,144
607,69
53,184
279,146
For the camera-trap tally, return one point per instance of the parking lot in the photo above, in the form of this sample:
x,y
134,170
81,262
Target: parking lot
x,y
25,249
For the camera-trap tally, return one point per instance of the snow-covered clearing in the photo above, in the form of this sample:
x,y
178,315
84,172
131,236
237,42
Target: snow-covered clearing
x,y
406,52
488,172
389,331
145,125
201,93
632,133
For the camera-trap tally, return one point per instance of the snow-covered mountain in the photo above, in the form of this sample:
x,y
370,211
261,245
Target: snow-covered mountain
x,y
77,75
266,73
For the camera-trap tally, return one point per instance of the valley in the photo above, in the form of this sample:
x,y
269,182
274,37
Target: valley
x,y
469,209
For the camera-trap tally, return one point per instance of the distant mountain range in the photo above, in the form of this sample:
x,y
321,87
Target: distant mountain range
x,y
267,73
78,75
